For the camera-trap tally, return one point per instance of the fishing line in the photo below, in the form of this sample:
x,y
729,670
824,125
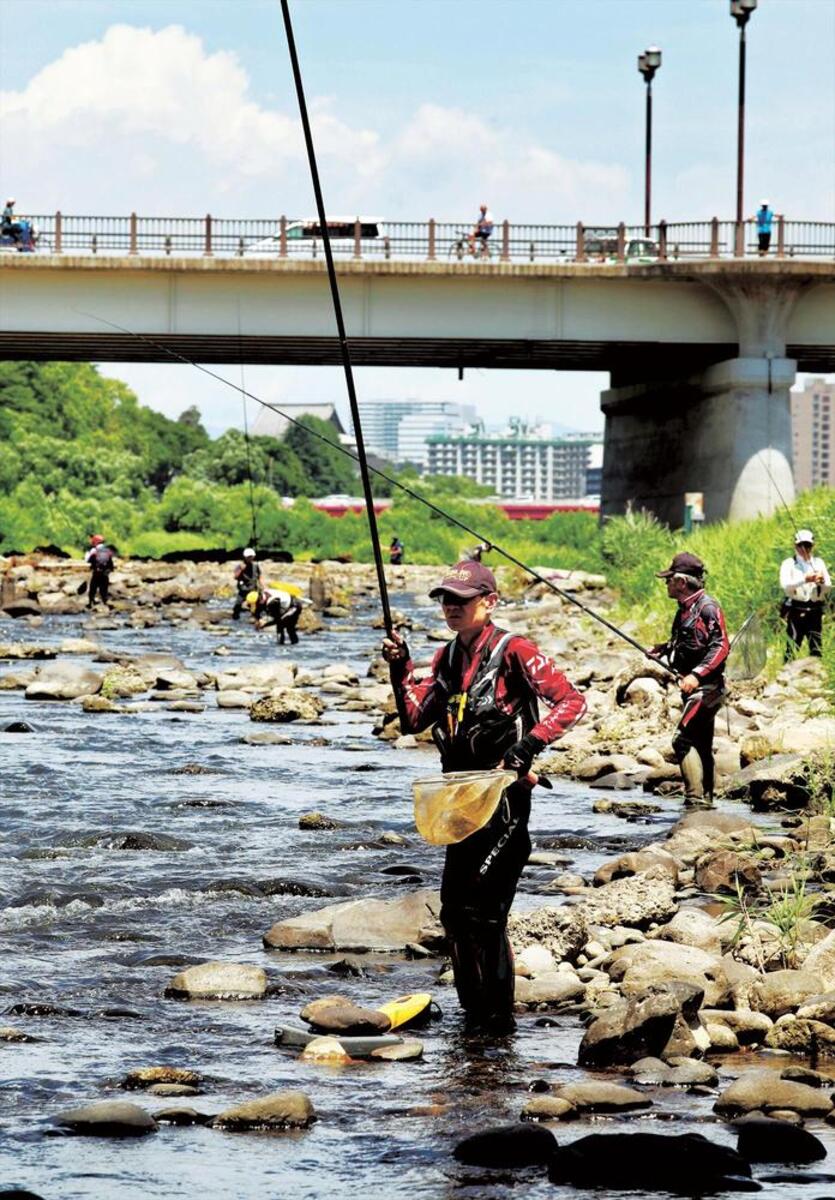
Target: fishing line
x,y
253,537
179,357
340,324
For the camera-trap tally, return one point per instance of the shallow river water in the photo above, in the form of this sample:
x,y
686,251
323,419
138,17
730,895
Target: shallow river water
x,y
97,933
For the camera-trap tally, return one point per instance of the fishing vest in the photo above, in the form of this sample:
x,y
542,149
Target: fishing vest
x,y
687,642
474,733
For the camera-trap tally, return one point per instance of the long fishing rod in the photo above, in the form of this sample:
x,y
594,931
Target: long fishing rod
x,y
340,324
403,487
780,496
253,539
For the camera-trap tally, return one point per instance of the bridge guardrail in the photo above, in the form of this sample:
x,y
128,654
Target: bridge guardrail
x,y
430,240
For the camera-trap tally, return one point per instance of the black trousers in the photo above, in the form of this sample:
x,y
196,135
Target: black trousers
x,y
479,883
804,621
287,624
99,582
764,241
693,742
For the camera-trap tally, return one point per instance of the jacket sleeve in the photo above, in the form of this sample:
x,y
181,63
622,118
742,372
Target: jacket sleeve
x,y
717,645
420,702
544,678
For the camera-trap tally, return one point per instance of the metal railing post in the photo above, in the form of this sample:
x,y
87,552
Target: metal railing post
x,y
621,242
505,241
167,244
207,245
580,251
662,241
59,232
714,238
781,236
739,239
132,235
357,239
282,238
431,254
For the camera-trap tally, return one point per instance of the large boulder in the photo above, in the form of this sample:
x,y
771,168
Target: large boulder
x,y
763,1139
505,1146
724,870
64,681
690,927
384,925
781,992
820,961
778,783
636,901
633,863
560,929
649,963
800,1036
552,988
685,1162
287,704
630,1030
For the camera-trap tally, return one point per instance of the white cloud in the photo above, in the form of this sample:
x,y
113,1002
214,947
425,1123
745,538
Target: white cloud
x,y
150,120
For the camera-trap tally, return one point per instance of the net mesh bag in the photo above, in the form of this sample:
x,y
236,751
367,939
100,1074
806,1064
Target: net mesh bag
x,y
448,808
749,650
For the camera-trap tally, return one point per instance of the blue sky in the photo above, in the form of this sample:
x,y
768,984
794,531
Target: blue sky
x,y
423,107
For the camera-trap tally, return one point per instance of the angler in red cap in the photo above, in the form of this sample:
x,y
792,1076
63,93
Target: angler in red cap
x,y
697,650
481,697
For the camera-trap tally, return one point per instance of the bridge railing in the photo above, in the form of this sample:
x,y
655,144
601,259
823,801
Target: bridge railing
x,y
433,241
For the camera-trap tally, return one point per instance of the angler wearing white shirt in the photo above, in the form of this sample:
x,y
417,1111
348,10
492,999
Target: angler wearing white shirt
x,y
805,581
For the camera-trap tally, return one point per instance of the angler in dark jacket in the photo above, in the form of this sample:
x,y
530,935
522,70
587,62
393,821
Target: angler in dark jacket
x,y
481,697
697,650
100,560
247,579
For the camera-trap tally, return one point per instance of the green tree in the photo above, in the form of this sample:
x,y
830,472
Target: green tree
x,y
326,468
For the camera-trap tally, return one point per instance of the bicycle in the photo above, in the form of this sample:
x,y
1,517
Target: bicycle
x,y
477,248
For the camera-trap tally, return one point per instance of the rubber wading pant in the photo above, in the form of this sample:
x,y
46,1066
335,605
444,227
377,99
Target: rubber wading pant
x,y
804,621
99,582
477,890
693,742
287,624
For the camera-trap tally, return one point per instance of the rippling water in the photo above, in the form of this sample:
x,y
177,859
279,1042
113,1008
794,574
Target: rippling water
x,y
97,932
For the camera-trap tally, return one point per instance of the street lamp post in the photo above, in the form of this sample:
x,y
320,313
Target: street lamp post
x,y
648,64
741,12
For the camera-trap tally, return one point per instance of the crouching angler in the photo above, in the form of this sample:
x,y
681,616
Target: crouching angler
x,y
481,698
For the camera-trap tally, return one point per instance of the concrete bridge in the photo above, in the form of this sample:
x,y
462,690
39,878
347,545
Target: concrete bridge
x,y
702,352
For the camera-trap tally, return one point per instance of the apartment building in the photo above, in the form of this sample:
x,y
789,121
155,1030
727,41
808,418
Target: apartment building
x,y
813,453
518,464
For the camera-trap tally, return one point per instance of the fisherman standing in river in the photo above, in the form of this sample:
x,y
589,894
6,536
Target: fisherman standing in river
x,y
696,651
481,697
99,559
247,579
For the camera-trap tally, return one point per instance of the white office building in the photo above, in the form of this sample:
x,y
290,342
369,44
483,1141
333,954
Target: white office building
x,y
519,464
398,429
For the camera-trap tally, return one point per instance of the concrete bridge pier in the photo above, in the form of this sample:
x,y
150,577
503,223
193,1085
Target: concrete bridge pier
x,y
724,431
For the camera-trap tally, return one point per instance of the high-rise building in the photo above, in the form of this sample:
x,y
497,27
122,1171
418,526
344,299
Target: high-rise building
x,y
398,429
813,451
520,464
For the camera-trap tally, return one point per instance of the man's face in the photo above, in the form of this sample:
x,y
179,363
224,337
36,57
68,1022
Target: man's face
x,y
468,616
677,589
804,549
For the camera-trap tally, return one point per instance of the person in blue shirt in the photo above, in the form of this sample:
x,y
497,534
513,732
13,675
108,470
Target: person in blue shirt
x,y
480,235
764,219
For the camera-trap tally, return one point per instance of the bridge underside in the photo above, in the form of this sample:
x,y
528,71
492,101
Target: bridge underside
x,y
626,360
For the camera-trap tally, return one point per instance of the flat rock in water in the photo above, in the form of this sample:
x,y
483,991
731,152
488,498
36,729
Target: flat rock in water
x,y
764,1090
555,987
337,1014
267,737
219,981
278,1110
107,1118
517,1145
406,1051
180,1115
64,681
595,1096
628,1031
145,1077
327,1050
18,727
287,704
548,1108
363,925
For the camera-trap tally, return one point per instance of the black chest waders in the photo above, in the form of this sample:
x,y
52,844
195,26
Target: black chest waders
x,y
482,871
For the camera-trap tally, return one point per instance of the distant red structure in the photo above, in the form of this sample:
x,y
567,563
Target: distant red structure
x,y
517,510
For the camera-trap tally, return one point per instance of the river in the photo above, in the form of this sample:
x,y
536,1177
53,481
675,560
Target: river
x,y
97,932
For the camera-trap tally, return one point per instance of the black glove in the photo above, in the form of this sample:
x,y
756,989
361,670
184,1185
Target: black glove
x,y
519,757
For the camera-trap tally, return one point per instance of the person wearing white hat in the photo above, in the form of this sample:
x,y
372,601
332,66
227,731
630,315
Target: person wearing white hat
x,y
247,579
805,582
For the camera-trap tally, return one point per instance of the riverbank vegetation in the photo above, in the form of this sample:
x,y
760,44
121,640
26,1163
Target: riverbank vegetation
x,y
78,453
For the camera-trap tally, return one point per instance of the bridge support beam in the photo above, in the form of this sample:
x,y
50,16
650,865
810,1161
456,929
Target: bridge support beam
x,y
725,432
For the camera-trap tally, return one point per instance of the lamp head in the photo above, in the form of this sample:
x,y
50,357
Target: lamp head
x,y
649,62
741,10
